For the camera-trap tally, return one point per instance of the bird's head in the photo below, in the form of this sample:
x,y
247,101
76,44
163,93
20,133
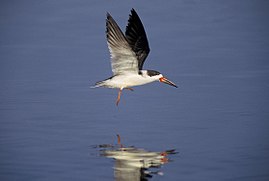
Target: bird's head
x,y
159,77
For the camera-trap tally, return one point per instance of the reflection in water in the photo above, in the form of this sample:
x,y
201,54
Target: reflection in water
x,y
133,163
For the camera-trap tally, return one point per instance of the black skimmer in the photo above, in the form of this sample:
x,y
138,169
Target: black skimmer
x,y
128,53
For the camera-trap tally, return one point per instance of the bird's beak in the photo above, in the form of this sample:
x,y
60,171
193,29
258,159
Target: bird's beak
x,y
166,81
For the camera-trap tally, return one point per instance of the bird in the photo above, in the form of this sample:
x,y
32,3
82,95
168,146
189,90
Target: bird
x,y
128,53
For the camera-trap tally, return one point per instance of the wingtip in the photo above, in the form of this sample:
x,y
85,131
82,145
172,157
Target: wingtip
x,y
133,11
108,16
108,19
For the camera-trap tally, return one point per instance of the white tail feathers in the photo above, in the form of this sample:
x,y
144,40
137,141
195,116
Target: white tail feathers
x,y
95,86
98,84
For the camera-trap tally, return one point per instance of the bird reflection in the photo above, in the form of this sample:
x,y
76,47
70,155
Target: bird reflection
x,y
134,164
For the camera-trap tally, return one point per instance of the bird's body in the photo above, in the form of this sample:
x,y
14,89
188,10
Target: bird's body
x,y
128,80
128,53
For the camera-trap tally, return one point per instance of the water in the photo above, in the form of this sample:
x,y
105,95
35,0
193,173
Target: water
x,y
217,120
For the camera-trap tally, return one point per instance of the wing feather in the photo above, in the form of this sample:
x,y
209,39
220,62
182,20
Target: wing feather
x,y
123,58
137,38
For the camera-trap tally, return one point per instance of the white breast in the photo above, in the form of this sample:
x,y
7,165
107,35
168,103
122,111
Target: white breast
x,y
129,80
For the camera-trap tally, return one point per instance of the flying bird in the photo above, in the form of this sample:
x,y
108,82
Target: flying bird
x,y
128,53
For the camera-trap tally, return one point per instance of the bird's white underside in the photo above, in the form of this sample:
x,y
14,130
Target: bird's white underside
x,y
130,79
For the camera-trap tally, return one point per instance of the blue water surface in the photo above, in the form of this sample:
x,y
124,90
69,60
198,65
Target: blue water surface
x,y
217,52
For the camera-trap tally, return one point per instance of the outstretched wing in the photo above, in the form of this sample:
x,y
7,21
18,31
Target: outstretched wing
x,y
137,38
123,58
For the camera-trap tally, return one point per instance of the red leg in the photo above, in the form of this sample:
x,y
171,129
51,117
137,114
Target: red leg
x,y
119,142
118,98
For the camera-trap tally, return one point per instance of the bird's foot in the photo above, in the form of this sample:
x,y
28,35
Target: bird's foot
x,y
129,88
117,102
119,142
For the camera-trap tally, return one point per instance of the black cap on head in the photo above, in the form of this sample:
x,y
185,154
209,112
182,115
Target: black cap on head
x,y
152,73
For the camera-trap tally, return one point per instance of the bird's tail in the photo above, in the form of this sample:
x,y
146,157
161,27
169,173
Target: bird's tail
x,y
98,84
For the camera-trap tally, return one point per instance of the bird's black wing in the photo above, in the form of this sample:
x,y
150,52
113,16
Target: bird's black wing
x,y
137,38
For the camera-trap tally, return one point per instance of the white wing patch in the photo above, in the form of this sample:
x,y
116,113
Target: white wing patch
x,y
123,59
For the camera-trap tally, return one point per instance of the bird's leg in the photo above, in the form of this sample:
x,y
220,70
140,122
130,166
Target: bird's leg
x,y
119,142
129,88
118,98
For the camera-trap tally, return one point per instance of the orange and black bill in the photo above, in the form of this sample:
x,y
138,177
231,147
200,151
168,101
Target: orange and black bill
x,y
166,81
